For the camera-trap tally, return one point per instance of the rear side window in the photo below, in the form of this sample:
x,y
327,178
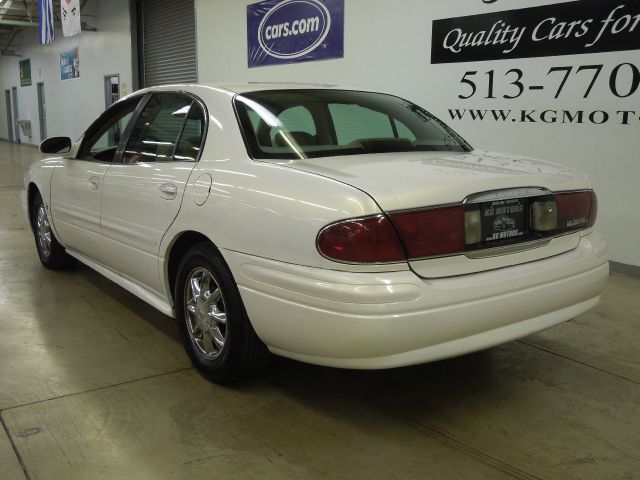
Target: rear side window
x,y
191,139
159,128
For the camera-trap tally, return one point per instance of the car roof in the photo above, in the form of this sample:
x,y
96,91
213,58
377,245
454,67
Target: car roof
x,y
239,87
257,86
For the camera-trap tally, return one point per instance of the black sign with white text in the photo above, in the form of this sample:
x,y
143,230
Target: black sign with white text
x,y
578,27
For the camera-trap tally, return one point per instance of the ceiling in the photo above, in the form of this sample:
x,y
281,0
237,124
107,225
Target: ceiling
x,y
16,15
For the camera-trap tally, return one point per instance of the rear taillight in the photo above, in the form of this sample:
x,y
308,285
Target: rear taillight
x,y
576,211
428,233
448,230
367,240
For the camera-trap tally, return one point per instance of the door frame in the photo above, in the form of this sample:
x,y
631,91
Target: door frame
x,y
16,127
108,92
7,97
42,111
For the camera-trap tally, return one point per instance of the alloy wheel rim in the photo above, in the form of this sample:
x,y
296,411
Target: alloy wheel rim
x,y
205,313
43,232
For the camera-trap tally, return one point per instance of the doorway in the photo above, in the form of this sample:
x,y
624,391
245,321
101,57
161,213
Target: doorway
x,y
7,101
42,112
111,96
111,89
16,127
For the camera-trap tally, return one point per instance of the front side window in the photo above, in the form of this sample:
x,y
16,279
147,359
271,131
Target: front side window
x,y
103,137
296,124
156,134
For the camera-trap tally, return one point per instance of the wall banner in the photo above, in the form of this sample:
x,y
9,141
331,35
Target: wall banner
x,y
585,26
288,31
70,17
69,64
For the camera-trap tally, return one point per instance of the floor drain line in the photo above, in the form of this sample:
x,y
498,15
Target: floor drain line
x,y
473,452
15,448
566,357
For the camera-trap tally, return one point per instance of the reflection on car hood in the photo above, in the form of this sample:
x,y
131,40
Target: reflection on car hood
x,y
400,181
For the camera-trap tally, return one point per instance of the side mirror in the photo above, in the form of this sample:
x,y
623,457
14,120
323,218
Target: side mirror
x,y
56,145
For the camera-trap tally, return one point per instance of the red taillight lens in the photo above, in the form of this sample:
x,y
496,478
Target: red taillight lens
x,y
368,240
427,233
446,230
576,210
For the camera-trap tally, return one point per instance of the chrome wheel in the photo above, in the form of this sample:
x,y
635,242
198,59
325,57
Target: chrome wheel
x,y
43,232
205,313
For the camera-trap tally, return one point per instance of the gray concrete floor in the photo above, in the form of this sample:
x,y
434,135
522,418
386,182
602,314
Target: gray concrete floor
x,y
94,384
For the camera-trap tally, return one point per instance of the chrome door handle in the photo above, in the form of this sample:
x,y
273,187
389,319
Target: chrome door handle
x,y
168,191
94,182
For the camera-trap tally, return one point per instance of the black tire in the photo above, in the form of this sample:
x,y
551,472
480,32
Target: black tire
x,y
242,354
52,255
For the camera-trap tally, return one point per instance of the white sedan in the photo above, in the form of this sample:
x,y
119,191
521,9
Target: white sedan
x,y
342,228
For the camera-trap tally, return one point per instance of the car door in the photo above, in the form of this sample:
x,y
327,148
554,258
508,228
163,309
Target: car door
x,y
143,191
76,185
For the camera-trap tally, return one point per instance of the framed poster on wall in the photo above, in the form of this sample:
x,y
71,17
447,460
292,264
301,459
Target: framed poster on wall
x,y
69,64
25,72
289,31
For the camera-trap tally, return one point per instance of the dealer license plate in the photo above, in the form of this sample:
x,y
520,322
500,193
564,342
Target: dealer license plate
x,y
504,220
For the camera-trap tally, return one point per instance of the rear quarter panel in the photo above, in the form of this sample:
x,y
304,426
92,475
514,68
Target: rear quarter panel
x,y
259,208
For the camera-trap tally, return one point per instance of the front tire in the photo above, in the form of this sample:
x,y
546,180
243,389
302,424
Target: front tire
x,y
51,253
216,331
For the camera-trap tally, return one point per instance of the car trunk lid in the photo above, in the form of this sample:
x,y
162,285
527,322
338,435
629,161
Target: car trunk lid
x,y
418,180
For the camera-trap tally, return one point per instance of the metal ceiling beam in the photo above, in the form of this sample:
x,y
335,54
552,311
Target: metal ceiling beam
x,y
26,7
5,50
14,32
18,23
23,24
7,6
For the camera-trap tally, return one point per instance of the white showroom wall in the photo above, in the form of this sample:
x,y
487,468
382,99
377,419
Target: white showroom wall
x,y
387,47
71,104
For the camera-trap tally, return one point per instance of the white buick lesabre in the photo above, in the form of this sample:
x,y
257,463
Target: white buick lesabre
x,y
342,228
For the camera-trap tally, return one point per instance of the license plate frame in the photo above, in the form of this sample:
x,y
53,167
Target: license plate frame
x,y
504,221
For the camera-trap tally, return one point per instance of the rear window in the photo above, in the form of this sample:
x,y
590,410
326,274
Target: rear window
x,y
296,124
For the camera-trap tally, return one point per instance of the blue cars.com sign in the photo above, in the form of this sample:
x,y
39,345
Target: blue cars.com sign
x,y
287,31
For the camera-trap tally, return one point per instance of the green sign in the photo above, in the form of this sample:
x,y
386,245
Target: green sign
x,y
25,72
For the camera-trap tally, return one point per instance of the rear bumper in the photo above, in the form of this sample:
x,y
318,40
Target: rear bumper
x,y
385,320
